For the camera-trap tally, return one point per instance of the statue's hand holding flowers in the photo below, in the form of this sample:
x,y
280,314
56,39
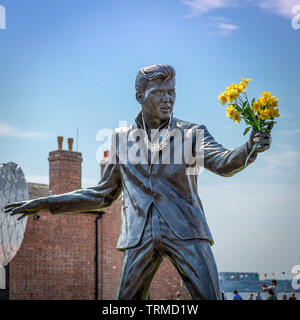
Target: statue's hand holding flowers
x,y
259,115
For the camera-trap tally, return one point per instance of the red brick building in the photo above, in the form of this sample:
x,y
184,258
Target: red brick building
x,y
59,255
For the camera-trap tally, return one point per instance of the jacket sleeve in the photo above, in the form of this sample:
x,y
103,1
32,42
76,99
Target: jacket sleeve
x,y
220,160
102,195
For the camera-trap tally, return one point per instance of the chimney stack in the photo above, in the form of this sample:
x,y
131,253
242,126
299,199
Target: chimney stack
x,y
70,144
64,168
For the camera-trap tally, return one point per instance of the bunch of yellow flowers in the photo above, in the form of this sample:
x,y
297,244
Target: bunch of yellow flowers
x,y
259,114
233,93
265,106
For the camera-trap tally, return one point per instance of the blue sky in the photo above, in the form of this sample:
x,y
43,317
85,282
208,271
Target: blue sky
x,y
73,63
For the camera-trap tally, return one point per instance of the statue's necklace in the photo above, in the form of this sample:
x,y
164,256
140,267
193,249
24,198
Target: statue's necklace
x,y
153,147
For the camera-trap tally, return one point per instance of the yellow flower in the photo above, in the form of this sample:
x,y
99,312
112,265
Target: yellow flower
x,y
265,97
241,87
264,114
256,106
230,111
233,114
273,101
273,112
232,86
231,94
236,117
222,98
246,81
266,94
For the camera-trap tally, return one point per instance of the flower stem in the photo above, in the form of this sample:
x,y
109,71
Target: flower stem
x,y
251,153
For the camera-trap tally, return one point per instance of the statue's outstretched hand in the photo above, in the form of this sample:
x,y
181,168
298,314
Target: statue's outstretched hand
x,y
27,207
263,139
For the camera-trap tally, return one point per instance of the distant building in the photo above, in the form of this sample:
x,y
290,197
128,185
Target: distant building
x,y
249,282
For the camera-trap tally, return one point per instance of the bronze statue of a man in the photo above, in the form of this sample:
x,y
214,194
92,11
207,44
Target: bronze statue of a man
x,y
162,215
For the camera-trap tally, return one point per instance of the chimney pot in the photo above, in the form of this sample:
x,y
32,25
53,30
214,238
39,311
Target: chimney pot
x,y
103,162
106,154
60,142
64,169
70,144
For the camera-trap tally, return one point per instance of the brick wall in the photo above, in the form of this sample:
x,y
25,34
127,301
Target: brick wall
x,y
56,259
110,260
64,171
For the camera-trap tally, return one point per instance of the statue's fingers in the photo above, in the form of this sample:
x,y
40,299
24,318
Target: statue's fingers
x,y
253,133
262,134
22,216
8,210
262,140
13,205
25,209
262,147
14,212
270,126
10,205
18,210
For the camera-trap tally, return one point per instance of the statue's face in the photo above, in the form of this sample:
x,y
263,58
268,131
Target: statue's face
x,y
159,98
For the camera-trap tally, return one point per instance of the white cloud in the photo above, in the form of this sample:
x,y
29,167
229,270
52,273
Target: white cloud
x,y
280,7
220,29
282,164
227,28
7,130
216,25
199,7
290,132
283,161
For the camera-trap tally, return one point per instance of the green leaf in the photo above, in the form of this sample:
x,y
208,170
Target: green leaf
x,y
257,124
268,122
247,130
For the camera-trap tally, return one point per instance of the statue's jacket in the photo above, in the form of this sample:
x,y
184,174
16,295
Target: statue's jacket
x,y
166,181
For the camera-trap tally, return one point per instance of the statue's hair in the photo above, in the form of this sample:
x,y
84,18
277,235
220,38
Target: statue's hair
x,y
162,71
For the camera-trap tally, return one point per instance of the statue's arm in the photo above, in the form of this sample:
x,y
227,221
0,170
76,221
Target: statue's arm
x,y
220,160
100,196
97,197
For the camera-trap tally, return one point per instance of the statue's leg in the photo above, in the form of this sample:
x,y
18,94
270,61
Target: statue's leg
x,y
137,273
139,267
195,262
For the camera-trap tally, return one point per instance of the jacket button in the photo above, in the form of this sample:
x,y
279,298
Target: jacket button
x,y
155,194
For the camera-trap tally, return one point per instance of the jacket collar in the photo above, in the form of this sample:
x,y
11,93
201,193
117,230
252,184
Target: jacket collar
x,y
139,122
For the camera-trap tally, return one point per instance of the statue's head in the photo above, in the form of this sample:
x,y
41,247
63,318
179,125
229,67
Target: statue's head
x,y
155,90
